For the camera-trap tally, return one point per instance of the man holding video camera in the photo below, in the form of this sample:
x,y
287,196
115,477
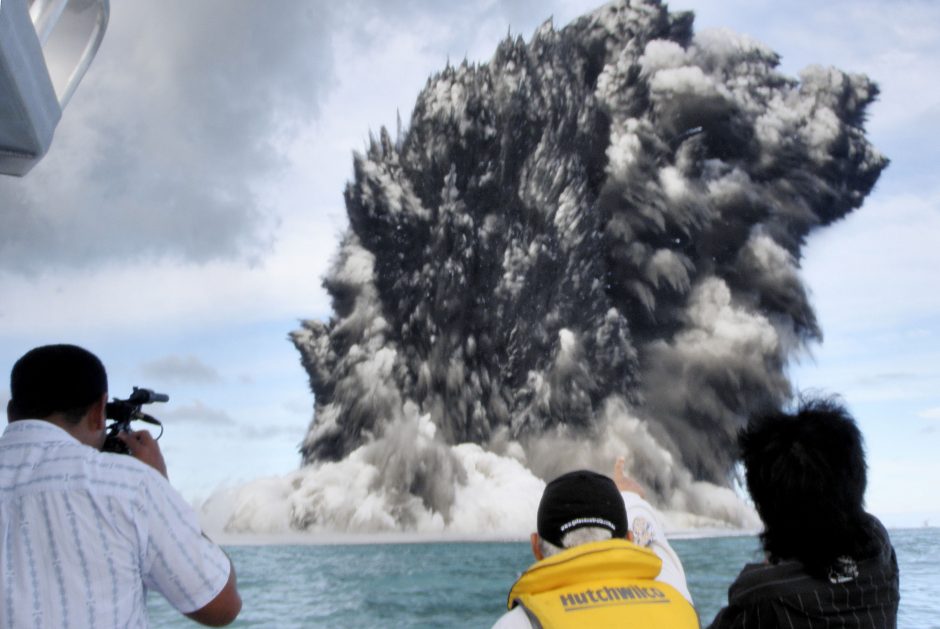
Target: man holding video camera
x,y
83,533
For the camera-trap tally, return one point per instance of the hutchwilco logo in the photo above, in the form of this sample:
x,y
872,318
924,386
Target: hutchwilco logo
x,y
607,596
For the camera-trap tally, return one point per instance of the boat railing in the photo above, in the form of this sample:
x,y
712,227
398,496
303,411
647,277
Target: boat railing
x,y
70,32
46,47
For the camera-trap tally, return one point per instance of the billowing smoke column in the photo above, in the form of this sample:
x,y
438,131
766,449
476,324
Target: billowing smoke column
x,y
586,247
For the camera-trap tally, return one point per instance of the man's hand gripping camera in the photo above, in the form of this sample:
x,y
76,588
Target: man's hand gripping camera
x,y
123,412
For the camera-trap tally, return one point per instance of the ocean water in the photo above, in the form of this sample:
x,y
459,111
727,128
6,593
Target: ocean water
x,y
464,584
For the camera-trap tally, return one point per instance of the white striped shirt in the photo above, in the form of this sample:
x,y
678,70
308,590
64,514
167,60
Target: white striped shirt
x,y
84,534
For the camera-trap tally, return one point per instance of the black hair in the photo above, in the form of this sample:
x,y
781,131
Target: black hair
x,y
806,472
50,379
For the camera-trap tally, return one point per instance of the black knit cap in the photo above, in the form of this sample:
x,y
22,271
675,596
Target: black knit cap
x,y
56,378
578,499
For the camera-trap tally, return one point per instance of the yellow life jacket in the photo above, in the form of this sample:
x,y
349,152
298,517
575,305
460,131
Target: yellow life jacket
x,y
601,584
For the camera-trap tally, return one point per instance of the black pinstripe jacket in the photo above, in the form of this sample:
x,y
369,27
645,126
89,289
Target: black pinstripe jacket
x,y
863,596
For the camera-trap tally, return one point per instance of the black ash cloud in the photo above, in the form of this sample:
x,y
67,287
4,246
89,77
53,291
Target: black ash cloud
x,y
601,225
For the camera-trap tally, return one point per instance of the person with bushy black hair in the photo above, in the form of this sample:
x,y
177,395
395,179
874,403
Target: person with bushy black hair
x,y
828,562
87,533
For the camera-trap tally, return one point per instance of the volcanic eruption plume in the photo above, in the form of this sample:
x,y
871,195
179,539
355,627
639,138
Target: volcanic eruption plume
x,y
587,246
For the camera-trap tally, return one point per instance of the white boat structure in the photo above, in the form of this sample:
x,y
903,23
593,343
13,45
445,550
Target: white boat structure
x,y
46,47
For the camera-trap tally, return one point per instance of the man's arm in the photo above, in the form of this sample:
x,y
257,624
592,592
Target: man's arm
x,y
647,530
142,446
224,608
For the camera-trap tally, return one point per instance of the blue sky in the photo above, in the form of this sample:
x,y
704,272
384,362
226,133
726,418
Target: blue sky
x,y
193,197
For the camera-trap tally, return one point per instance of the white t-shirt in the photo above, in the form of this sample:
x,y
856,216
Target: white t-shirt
x,y
84,534
647,530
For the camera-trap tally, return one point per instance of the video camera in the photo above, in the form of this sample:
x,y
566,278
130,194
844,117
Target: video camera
x,y
123,412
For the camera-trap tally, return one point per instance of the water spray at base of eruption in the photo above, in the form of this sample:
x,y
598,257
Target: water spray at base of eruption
x,y
489,494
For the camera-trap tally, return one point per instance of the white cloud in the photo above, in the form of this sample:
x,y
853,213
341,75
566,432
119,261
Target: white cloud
x,y
196,412
121,298
877,269
930,413
162,149
273,431
188,369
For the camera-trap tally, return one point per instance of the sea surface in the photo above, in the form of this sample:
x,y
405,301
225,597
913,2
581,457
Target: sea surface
x,y
464,584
